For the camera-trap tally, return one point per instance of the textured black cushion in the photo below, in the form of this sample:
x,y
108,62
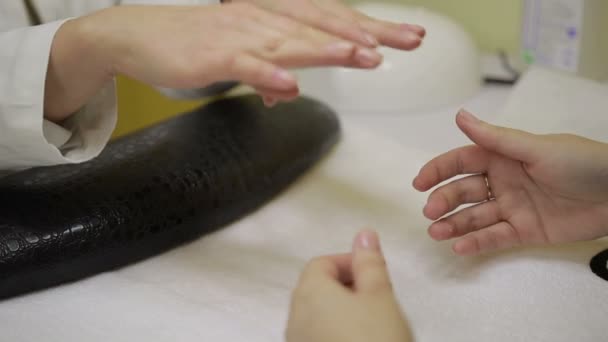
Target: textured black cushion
x,y
154,189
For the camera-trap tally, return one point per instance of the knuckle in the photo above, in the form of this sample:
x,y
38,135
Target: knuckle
x,y
231,63
275,43
371,265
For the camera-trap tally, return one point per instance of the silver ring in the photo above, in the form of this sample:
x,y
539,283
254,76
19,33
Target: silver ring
x,y
490,194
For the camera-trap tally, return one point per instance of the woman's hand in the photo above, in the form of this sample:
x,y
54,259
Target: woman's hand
x,y
347,298
336,18
546,189
189,47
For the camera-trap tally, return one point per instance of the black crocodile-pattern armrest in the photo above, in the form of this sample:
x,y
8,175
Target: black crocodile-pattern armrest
x,y
154,189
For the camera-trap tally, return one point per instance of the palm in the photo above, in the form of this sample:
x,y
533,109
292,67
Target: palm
x,y
539,205
546,189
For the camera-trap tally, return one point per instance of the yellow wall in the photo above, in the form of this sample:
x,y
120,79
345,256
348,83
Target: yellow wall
x,y
140,106
494,23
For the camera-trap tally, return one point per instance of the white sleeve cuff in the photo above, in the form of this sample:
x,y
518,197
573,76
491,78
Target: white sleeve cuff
x,y
85,134
25,139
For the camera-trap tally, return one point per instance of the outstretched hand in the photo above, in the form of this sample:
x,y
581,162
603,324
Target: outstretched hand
x,y
545,189
336,18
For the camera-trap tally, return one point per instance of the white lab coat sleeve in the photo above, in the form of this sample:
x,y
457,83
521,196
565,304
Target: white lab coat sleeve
x,y
26,139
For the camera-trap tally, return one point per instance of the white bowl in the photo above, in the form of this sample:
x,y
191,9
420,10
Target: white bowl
x,y
445,70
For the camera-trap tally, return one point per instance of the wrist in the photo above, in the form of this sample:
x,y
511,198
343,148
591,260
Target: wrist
x,y
78,66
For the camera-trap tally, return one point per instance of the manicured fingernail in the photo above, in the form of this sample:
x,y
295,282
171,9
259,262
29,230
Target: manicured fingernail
x,y
420,31
284,78
368,58
371,40
341,48
367,240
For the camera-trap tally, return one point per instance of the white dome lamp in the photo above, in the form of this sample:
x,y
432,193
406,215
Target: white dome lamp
x,y
444,71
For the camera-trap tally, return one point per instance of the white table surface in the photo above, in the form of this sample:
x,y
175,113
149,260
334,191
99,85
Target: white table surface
x,y
434,131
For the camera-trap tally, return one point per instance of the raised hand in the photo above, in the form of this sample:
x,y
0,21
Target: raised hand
x,y
335,17
189,47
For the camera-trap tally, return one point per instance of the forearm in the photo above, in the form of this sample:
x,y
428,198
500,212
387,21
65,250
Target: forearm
x,y
80,64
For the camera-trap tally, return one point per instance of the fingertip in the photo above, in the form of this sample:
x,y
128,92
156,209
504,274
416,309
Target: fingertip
x,y
269,101
464,247
417,29
283,80
368,58
414,43
420,184
417,184
421,31
440,231
434,208
366,240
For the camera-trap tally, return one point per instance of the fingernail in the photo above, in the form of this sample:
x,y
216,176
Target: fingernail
x,y
370,39
367,240
341,48
420,31
284,78
467,116
368,58
412,37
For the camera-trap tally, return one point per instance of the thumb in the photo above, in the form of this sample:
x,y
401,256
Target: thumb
x,y
368,266
512,143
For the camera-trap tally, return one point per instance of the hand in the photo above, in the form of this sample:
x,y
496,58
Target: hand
x,y
336,18
347,298
189,47
547,189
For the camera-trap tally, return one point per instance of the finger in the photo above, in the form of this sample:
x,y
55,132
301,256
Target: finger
x,y
301,45
370,274
298,53
269,101
463,160
466,221
393,35
257,72
277,95
509,142
329,22
496,237
328,269
406,37
471,189
419,30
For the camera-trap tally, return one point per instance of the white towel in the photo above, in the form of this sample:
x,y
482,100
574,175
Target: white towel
x,y
235,285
